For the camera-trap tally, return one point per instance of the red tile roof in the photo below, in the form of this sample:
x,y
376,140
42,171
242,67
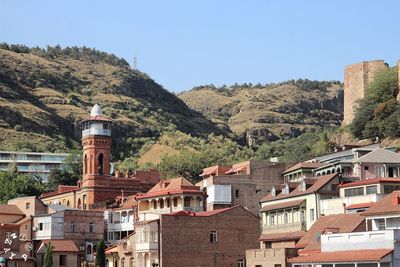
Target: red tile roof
x,y
305,165
341,223
170,187
112,249
200,213
388,205
320,181
343,256
370,181
10,209
359,206
291,236
287,204
59,246
60,189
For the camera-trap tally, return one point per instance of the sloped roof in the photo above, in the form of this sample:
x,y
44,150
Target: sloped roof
x,y
342,223
58,246
343,256
10,209
129,203
304,165
172,186
385,206
359,206
379,155
200,213
320,181
291,236
370,181
287,204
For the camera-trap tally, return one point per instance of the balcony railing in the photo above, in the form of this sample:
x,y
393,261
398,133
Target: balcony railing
x,y
284,228
145,247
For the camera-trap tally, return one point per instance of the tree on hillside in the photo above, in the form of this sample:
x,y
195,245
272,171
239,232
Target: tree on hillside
x,y
378,113
100,260
48,256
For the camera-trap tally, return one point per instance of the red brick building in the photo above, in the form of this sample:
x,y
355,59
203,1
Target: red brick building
x,y
97,185
216,238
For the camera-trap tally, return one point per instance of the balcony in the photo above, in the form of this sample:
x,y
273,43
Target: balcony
x,y
284,228
146,247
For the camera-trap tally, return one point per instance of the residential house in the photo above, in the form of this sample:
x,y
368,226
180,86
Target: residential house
x,y
244,183
186,238
64,253
123,253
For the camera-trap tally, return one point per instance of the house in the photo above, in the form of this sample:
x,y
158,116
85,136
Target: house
x,y
16,244
85,228
97,185
301,171
169,196
120,219
123,253
244,183
209,238
279,254
64,253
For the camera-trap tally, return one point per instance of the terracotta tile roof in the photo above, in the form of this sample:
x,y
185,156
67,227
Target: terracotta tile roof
x,y
388,205
304,165
61,189
287,204
172,186
379,155
112,249
343,256
10,209
200,213
370,181
215,170
320,181
340,223
59,246
359,205
129,203
291,236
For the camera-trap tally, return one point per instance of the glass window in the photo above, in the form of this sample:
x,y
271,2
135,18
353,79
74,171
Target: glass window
x,y
240,263
110,217
354,192
387,189
272,220
380,224
63,260
286,217
92,227
72,227
213,236
372,189
312,215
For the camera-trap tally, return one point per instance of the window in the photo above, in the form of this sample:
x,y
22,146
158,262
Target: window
x,y
124,217
27,205
380,224
387,189
72,227
26,227
88,250
100,164
63,260
354,192
110,217
8,235
277,265
131,262
236,193
286,216
272,220
372,189
312,215
240,263
302,215
175,202
92,227
123,263
40,226
187,202
213,236
110,236
267,244
365,168
258,191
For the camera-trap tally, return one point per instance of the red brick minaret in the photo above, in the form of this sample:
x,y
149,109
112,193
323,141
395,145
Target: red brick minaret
x,y
96,143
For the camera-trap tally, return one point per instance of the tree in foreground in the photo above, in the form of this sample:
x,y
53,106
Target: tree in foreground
x,y
48,256
100,260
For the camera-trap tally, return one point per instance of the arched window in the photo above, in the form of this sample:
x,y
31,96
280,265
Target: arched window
x,y
175,202
89,249
123,262
154,204
100,163
161,203
67,202
85,164
168,203
79,204
132,262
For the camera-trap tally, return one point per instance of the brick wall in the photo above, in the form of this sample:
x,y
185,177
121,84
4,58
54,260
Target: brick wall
x,y
185,240
269,257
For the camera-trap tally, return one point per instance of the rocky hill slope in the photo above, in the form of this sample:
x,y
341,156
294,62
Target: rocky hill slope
x,y
270,112
44,94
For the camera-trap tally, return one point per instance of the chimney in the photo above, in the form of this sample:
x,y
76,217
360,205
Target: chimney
x,y
395,199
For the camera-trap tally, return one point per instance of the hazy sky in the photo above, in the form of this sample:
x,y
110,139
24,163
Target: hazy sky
x,y
186,43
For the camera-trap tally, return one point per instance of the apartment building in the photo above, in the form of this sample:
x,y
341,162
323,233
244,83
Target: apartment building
x,y
33,163
244,183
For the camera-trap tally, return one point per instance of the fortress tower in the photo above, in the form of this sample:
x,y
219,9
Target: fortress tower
x,y
357,78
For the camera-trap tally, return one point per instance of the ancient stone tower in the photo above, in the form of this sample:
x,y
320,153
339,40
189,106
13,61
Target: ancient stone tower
x,y
357,77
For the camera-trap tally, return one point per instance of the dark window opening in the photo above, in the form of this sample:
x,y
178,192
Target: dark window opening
x,y
100,162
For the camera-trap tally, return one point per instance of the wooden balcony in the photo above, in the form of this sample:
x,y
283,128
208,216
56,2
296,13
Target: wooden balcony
x,y
284,228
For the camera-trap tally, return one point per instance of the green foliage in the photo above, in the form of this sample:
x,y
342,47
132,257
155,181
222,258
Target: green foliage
x,y
378,113
70,174
100,260
15,185
48,256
